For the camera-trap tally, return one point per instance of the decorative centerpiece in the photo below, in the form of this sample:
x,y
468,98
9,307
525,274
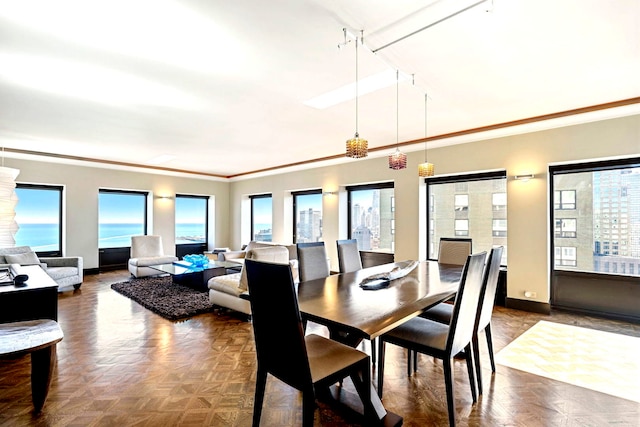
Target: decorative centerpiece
x,y
197,260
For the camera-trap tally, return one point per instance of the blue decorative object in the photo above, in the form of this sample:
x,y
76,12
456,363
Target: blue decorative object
x,y
197,260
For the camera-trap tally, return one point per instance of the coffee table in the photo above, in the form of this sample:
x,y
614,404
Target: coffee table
x,y
195,277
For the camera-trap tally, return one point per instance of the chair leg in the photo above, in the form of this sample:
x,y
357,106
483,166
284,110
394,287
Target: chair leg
x,y
415,361
487,332
261,383
373,351
381,350
409,362
476,356
448,380
468,355
308,407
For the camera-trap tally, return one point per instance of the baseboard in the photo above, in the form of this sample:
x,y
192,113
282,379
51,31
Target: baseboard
x,y
531,306
87,271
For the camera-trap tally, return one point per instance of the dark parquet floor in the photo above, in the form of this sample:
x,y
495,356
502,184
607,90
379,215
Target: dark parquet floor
x,y
121,365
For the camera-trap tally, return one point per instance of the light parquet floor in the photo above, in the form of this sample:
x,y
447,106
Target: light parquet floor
x,y
121,365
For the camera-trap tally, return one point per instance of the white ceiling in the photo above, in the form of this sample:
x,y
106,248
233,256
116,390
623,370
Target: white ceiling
x,y
219,85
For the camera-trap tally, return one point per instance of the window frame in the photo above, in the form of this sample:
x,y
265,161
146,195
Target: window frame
x,y
145,194
252,198
461,186
295,195
60,190
364,187
194,246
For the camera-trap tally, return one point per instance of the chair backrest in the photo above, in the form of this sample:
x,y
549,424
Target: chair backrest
x,y
146,246
277,324
348,256
465,308
491,272
312,261
278,254
454,250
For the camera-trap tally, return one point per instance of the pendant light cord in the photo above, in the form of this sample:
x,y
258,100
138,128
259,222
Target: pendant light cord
x,y
357,84
425,128
397,108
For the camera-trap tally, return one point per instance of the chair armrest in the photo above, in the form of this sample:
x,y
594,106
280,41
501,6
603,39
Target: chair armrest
x,y
245,296
72,261
230,255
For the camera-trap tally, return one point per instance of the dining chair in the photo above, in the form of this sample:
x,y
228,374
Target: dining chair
x,y
348,256
312,261
443,312
310,363
454,250
440,340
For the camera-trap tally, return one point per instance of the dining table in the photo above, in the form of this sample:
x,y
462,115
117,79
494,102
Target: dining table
x,y
353,313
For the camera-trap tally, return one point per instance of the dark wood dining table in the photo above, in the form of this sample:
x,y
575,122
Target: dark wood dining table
x,y
353,313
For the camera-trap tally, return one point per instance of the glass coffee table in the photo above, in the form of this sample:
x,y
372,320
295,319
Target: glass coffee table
x,y
196,277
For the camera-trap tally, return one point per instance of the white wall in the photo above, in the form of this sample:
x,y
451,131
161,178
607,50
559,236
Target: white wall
x,y
528,238
82,183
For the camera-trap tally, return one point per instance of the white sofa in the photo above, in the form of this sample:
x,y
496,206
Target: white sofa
x,y
66,271
226,291
145,252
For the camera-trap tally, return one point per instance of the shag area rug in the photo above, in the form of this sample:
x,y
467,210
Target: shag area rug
x,y
165,298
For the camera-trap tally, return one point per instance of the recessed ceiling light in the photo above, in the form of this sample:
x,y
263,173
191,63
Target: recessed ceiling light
x,y
348,92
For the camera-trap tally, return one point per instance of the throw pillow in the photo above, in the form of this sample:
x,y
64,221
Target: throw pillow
x,y
25,258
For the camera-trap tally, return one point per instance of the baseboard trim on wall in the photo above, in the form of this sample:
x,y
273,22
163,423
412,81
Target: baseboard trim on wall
x,y
531,306
91,271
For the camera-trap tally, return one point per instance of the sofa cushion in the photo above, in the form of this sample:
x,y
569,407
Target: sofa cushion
x,y
26,258
154,260
271,253
227,283
57,273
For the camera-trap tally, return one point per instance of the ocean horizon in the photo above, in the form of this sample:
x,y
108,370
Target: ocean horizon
x,y
44,237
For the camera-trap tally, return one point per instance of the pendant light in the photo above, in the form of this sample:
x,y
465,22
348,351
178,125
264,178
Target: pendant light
x,y
357,147
425,169
397,160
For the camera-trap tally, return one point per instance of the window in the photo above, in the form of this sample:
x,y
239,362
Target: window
x,y
461,227
471,205
307,216
191,219
371,216
604,198
461,202
261,217
121,214
565,256
39,216
499,228
565,199
566,227
499,201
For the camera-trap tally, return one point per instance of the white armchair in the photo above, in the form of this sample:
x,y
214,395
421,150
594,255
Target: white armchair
x,y
145,252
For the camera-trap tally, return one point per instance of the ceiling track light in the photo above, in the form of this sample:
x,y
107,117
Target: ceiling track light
x,y
357,147
425,169
397,160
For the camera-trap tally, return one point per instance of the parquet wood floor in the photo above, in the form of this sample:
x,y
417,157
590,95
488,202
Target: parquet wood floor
x,y
121,365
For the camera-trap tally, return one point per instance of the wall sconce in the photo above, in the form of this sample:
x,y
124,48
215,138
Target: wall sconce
x,y
164,197
524,177
329,193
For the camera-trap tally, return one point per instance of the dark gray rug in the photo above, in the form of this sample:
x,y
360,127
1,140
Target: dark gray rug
x,y
161,296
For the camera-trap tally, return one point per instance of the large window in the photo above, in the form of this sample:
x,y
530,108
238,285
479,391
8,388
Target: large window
x,y
191,219
307,214
596,212
473,205
121,214
371,210
261,217
39,216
